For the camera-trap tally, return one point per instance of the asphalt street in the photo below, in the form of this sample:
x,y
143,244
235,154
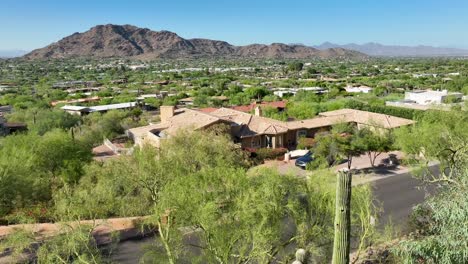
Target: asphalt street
x,y
398,194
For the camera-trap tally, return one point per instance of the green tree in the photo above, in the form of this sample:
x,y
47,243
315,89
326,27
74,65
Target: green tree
x,y
22,182
60,155
296,66
438,135
42,120
376,142
440,224
344,141
256,92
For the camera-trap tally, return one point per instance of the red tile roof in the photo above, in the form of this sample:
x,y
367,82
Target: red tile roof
x,y
207,109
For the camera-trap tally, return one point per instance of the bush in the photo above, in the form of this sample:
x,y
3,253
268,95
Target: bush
x,y
388,110
305,143
269,153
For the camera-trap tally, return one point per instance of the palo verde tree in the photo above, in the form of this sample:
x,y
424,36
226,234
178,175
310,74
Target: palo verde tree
x,y
270,212
441,136
343,142
375,142
440,224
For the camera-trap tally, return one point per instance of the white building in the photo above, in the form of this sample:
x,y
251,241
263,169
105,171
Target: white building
x,y
426,97
358,89
283,91
453,74
81,110
420,75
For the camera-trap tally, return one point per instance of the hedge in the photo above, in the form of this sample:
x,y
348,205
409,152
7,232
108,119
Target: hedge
x,y
388,110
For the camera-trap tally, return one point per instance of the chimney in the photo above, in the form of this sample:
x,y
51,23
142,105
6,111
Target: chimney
x,y
258,111
166,112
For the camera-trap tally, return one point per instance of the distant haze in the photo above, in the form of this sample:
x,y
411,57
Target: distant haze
x,y
376,49
12,53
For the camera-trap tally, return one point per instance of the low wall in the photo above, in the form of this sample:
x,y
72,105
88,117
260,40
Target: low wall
x,y
101,226
127,228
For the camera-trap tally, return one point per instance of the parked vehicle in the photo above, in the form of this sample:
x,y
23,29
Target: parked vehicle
x,y
304,160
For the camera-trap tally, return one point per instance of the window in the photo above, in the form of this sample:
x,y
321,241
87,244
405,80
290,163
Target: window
x,y
255,142
301,133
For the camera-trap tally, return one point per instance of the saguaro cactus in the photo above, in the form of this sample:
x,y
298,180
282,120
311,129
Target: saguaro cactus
x,y
342,218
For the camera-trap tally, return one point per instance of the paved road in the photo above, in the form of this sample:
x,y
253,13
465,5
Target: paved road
x,y
398,194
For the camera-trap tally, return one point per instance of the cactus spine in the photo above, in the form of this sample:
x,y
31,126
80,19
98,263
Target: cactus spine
x,y
342,218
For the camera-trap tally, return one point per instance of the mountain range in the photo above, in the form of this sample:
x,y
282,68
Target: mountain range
x,y
141,43
376,49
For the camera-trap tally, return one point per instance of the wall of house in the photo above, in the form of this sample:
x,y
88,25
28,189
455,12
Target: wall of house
x,y
74,112
151,139
426,97
292,136
253,142
166,112
277,141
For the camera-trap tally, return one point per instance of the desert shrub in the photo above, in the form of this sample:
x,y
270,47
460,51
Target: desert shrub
x,y
269,153
305,143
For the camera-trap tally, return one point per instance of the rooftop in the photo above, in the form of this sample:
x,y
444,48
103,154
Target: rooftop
x,y
250,125
98,108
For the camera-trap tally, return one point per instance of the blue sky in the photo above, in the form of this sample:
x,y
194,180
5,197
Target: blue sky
x,y
30,24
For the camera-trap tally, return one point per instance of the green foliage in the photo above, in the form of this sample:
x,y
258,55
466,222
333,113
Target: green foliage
x,y
305,143
303,110
18,242
269,153
296,66
260,204
271,98
59,154
42,120
130,185
441,231
440,224
75,245
326,150
438,135
21,181
97,126
388,110
32,166
256,92
274,113
344,142
375,142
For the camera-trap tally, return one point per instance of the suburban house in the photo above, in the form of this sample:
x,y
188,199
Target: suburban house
x,y
281,92
426,97
83,110
112,148
85,91
6,127
358,89
256,131
190,100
